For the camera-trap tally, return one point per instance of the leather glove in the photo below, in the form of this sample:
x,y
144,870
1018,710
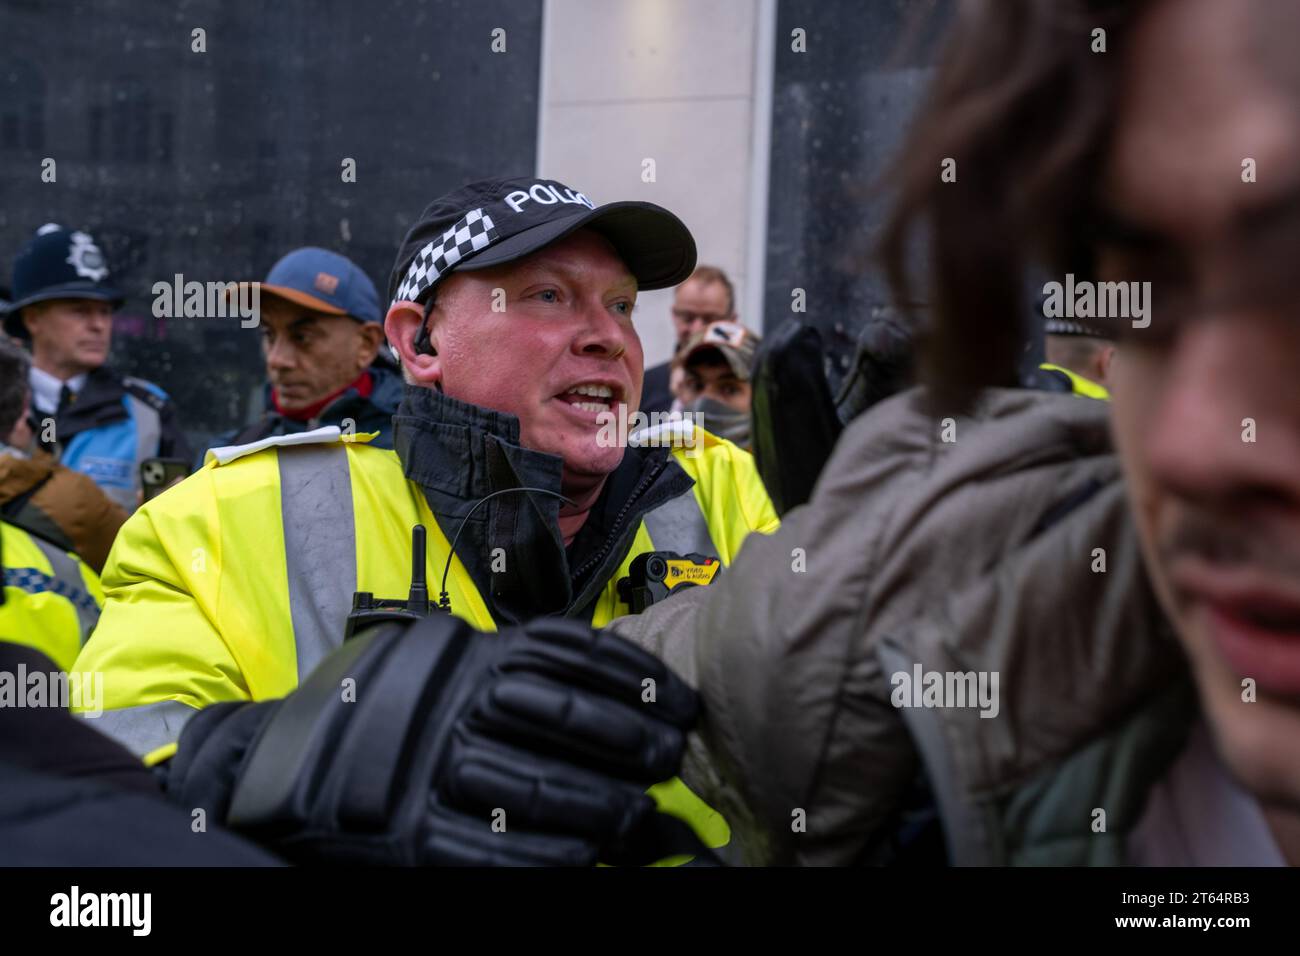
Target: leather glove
x,y
431,743
793,424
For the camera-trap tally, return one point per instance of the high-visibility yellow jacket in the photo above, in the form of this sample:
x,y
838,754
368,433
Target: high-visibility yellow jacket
x,y
52,599
1079,385
236,582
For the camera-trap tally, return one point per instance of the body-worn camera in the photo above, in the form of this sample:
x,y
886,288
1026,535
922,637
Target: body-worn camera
x,y
655,575
652,576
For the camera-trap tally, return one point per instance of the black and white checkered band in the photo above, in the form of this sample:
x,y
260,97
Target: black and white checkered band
x,y
470,234
1069,327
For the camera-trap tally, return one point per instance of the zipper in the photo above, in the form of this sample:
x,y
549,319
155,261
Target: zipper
x,y
616,531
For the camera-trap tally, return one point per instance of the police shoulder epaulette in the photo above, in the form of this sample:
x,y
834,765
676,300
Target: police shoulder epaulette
x,y
146,392
328,435
674,432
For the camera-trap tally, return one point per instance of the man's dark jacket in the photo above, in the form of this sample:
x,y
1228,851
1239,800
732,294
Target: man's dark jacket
x,y
351,411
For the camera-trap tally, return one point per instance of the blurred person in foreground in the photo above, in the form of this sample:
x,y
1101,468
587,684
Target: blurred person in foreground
x,y
1139,602
72,796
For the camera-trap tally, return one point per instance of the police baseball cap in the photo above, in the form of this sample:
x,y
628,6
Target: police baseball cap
x,y
58,263
736,345
1059,325
496,221
324,281
1097,328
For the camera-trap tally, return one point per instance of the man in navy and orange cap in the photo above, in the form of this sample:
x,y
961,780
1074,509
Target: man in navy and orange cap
x,y
322,337
105,425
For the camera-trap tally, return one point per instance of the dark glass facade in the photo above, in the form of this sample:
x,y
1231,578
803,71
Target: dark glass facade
x,y
215,164
838,113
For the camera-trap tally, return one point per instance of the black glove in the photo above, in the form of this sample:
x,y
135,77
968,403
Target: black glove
x,y
529,746
793,425
883,365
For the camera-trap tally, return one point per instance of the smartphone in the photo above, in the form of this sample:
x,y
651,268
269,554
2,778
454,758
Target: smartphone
x,y
159,474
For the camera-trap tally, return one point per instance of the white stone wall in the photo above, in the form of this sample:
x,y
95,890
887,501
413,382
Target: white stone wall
x,y
685,83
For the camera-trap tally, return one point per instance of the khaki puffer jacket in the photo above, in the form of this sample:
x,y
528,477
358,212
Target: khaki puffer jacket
x,y
974,554
63,506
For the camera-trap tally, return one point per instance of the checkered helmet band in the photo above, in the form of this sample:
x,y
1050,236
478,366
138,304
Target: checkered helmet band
x,y
1070,327
470,234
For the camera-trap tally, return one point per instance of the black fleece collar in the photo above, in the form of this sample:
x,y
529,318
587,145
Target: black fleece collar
x,y
459,453
98,404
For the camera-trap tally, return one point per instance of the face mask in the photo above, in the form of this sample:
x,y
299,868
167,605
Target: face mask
x,y
721,420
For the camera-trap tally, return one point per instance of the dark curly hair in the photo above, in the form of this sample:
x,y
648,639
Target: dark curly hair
x,y
1024,106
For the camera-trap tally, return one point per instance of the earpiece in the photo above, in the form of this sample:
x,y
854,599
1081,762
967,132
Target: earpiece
x,y
422,344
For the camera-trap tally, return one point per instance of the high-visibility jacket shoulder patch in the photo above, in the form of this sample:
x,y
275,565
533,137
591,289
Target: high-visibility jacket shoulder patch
x,y
674,432
147,392
1079,385
328,435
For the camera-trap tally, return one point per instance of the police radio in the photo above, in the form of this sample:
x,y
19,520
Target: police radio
x,y
656,575
367,609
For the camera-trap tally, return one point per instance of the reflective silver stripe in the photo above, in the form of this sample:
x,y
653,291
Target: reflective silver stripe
x,y
143,729
320,547
148,433
679,525
66,570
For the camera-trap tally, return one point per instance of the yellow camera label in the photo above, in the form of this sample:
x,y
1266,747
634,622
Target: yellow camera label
x,y
681,571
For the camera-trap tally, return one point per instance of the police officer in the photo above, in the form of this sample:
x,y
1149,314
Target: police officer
x,y
423,767
71,796
511,305
61,596
104,425
323,337
1078,356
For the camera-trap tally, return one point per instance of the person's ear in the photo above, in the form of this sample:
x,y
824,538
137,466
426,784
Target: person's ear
x,y
370,336
29,317
1104,357
402,325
